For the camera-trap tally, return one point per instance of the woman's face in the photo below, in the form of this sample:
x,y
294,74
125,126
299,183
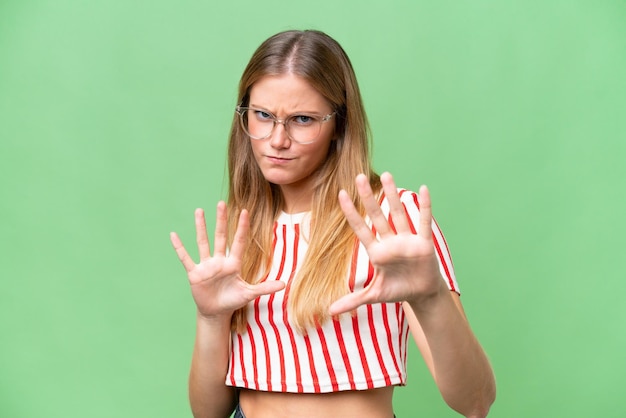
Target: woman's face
x,y
283,161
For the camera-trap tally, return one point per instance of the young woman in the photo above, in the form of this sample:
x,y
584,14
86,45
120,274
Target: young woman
x,y
319,266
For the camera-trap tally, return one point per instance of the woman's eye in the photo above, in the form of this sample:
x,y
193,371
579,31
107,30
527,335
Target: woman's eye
x,y
303,119
263,116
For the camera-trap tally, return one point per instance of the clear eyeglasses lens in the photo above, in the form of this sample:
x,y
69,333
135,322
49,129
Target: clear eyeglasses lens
x,y
300,128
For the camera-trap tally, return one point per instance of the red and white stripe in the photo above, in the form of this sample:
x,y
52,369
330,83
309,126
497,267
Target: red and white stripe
x,y
364,351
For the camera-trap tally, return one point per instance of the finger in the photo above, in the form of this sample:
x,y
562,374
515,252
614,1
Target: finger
x,y
355,220
181,252
426,216
221,229
201,235
265,288
372,208
241,234
348,303
396,208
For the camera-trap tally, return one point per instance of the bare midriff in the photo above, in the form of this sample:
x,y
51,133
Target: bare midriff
x,y
373,403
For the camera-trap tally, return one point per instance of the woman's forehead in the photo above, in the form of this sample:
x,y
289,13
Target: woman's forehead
x,y
287,93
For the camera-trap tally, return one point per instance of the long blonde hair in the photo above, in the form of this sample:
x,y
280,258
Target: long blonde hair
x,y
321,61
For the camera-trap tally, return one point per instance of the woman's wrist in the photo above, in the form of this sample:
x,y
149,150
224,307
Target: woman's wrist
x,y
428,302
214,320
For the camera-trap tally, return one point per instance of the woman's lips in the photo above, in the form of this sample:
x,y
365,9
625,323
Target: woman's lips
x,y
278,160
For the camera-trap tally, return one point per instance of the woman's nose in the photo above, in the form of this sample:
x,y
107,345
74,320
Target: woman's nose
x,y
279,137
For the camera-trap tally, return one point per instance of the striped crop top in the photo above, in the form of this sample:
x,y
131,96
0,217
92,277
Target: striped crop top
x,y
364,351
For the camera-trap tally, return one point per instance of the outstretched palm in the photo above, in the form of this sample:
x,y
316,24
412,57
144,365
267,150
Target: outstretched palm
x,y
216,284
406,267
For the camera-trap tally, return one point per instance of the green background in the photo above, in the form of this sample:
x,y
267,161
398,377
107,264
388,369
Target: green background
x,y
114,116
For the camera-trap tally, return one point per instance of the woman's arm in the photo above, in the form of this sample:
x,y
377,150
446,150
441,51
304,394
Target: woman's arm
x,y
452,353
407,270
208,394
218,291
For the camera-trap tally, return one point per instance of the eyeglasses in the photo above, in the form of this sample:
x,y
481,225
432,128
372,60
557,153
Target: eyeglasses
x,y
301,128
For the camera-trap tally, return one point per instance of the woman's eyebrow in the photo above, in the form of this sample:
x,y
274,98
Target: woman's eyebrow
x,y
295,112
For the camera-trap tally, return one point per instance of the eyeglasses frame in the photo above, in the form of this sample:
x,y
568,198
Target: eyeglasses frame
x,y
240,110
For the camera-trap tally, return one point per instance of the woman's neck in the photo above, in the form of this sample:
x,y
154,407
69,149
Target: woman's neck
x,y
296,200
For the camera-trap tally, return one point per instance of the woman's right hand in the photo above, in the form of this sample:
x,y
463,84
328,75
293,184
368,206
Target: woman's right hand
x,y
216,283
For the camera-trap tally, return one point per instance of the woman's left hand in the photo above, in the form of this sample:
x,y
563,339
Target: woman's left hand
x,y
405,263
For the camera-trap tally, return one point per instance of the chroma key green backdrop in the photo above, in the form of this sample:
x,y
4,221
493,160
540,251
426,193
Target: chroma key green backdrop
x,y
113,124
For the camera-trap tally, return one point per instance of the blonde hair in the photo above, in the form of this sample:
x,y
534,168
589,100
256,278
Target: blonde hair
x,y
321,61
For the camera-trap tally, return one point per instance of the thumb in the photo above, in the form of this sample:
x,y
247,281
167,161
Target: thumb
x,y
267,288
347,303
